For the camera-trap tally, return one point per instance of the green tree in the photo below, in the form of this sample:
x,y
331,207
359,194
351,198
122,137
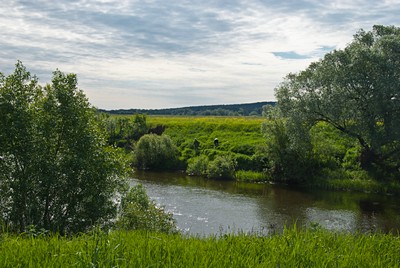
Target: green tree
x,y
156,152
56,171
356,90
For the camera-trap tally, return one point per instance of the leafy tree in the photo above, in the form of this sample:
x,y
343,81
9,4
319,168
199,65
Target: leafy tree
x,y
56,171
356,90
156,152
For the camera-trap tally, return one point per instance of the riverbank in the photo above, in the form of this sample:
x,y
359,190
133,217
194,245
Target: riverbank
x,y
243,153
344,182
293,248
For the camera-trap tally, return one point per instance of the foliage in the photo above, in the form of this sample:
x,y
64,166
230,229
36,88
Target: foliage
x,y
287,161
222,167
330,146
292,248
156,152
198,166
56,171
138,212
124,131
356,90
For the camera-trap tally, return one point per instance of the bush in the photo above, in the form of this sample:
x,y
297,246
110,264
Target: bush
x,y
351,159
138,212
244,162
222,167
156,152
198,166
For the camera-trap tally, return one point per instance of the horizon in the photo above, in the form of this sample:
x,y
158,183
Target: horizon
x,y
194,106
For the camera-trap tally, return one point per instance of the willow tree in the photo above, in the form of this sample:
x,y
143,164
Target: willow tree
x,y
356,90
56,171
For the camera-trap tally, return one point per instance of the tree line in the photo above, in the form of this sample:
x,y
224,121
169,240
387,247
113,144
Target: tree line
x,y
245,109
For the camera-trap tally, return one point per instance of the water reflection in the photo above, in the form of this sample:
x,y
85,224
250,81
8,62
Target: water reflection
x,y
205,207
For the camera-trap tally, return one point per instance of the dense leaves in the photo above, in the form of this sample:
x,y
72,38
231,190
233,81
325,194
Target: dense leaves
x,y
56,171
357,91
138,212
156,152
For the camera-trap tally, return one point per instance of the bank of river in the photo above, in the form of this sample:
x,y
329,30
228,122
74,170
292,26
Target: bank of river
x,y
203,207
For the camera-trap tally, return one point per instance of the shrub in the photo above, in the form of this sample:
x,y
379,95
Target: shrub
x,y
244,162
198,166
138,212
351,159
222,167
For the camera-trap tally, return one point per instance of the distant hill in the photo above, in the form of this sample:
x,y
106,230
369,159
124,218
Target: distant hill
x,y
245,109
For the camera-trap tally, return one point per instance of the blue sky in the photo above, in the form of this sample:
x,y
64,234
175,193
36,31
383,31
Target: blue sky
x,y
165,53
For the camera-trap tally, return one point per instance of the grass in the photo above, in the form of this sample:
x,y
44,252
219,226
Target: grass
x,y
292,248
251,176
235,134
355,181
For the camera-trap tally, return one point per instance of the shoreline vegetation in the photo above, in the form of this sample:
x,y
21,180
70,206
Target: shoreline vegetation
x,y
312,247
242,141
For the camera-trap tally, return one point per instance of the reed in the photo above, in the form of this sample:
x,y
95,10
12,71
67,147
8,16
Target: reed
x,y
291,248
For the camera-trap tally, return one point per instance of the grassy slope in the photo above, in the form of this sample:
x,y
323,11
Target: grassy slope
x,y
293,248
231,131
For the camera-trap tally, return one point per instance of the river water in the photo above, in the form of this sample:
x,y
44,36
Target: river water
x,y
204,207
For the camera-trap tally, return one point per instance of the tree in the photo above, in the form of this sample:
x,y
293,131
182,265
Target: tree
x,y
56,171
156,152
356,90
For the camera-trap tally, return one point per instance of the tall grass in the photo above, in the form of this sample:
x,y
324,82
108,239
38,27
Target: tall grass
x,y
251,176
292,248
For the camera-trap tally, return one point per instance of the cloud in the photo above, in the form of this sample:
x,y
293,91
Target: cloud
x,y
155,53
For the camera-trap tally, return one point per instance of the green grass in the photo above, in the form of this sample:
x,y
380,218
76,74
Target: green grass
x,y
251,176
292,248
235,134
355,181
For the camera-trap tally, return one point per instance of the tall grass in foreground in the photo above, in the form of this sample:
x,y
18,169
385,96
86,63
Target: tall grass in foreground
x,y
292,248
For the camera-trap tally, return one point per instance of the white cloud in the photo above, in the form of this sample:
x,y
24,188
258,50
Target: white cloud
x,y
152,54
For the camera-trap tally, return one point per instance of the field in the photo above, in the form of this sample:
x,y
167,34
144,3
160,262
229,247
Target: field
x,y
235,134
292,248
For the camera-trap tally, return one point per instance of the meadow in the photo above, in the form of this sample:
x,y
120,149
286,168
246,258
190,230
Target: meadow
x,y
292,248
235,134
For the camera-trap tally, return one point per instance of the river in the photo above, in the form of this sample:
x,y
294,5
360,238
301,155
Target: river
x,y
204,207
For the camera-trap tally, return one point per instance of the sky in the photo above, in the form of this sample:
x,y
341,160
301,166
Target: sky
x,y
153,54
